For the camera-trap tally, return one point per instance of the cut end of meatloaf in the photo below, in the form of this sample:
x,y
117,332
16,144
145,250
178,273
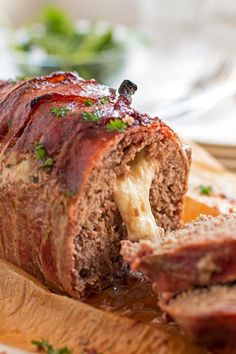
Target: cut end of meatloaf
x,y
131,194
201,253
204,227
208,315
107,220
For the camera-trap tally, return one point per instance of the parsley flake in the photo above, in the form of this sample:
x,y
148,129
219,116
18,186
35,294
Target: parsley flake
x,y
91,116
70,193
40,151
48,162
43,345
42,155
116,125
88,102
205,190
59,111
105,100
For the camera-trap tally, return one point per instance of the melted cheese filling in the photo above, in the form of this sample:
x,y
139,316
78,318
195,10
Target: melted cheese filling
x,y
131,194
22,171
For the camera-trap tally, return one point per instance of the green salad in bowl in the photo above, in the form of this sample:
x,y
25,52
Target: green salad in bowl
x,y
94,50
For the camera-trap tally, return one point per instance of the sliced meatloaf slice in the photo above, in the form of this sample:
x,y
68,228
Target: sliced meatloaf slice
x,y
208,315
201,253
73,154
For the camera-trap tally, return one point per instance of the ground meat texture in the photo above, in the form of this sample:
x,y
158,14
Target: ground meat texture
x,y
59,220
201,253
208,315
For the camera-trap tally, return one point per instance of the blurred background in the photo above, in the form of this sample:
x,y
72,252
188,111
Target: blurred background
x,y
180,54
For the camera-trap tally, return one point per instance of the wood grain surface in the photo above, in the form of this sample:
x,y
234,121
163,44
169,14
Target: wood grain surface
x,y
29,311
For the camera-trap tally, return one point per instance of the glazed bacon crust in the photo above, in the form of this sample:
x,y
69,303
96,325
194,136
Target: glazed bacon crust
x,y
39,222
26,119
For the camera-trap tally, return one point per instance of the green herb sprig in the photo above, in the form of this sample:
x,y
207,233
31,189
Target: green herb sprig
x,y
88,102
59,111
116,125
48,162
70,193
43,345
91,116
40,151
105,100
42,155
205,190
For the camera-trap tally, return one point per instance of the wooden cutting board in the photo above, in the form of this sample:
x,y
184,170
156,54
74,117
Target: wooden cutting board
x,y
134,325
207,171
29,311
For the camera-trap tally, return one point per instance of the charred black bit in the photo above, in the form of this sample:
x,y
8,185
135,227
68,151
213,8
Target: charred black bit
x,y
36,100
35,179
127,88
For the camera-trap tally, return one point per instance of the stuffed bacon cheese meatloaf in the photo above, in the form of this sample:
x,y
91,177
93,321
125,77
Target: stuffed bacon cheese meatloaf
x,y
80,171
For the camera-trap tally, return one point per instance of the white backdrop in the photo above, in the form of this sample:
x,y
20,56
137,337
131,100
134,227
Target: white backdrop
x,y
17,12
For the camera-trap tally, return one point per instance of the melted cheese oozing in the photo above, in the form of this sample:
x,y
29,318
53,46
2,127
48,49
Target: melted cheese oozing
x,y
22,171
131,194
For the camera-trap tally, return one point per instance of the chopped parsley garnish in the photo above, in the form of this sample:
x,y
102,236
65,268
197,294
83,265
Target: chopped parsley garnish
x,y
48,162
42,155
60,111
88,102
40,151
104,100
91,116
205,190
43,345
116,125
70,193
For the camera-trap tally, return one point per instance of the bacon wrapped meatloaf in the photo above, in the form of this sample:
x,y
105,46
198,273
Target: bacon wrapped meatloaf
x,y
80,171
